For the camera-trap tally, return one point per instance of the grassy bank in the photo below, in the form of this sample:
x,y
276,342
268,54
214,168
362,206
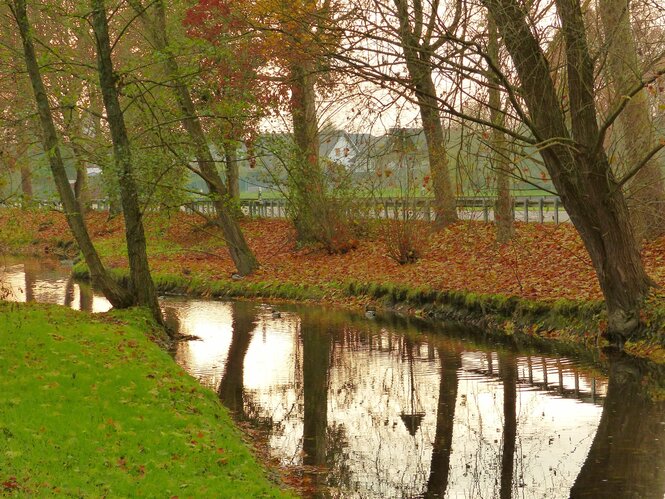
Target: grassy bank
x,y
91,407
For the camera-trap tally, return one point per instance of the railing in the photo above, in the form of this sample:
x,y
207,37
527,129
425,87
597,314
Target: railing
x,y
545,209
525,208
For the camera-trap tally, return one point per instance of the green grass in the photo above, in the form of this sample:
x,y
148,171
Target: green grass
x,y
91,407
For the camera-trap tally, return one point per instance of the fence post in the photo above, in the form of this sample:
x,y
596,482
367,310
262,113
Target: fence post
x,y
541,206
486,215
556,211
428,210
526,209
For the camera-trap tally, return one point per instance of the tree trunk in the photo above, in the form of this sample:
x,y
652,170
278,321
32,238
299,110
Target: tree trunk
x,y
577,163
646,191
444,199
81,192
232,175
307,178
140,281
110,177
26,182
419,66
72,128
241,254
503,211
118,296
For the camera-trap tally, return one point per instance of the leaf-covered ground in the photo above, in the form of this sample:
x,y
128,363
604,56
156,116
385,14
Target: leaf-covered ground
x,y
91,407
543,262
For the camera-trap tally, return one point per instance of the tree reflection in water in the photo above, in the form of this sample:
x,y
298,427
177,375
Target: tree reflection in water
x,y
627,457
231,388
508,373
316,337
445,419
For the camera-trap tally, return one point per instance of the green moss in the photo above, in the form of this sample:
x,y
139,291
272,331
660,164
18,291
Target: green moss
x,y
572,320
91,407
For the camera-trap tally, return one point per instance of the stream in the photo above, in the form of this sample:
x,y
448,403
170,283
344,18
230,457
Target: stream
x,y
400,407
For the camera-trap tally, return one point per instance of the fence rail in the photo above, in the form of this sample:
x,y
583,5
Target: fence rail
x,y
542,209
525,208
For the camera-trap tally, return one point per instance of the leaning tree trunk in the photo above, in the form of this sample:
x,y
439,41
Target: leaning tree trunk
x,y
577,162
140,281
118,296
241,254
503,212
646,191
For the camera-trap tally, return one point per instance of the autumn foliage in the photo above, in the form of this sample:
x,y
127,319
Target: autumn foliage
x,y
544,261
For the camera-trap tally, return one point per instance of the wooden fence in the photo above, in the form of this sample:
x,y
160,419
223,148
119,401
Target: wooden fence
x,y
546,209
525,209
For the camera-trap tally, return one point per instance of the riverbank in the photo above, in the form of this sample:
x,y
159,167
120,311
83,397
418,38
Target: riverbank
x,y
93,407
541,284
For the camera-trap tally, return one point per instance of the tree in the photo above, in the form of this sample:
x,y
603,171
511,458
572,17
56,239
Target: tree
x,y
503,213
416,35
290,45
155,26
575,157
646,190
141,285
118,296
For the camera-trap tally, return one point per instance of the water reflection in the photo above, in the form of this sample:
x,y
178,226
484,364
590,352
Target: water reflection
x,y
508,373
437,483
379,410
393,408
627,457
231,388
316,337
48,282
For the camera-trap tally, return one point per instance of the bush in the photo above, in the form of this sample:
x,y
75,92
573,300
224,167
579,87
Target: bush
x,y
405,240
